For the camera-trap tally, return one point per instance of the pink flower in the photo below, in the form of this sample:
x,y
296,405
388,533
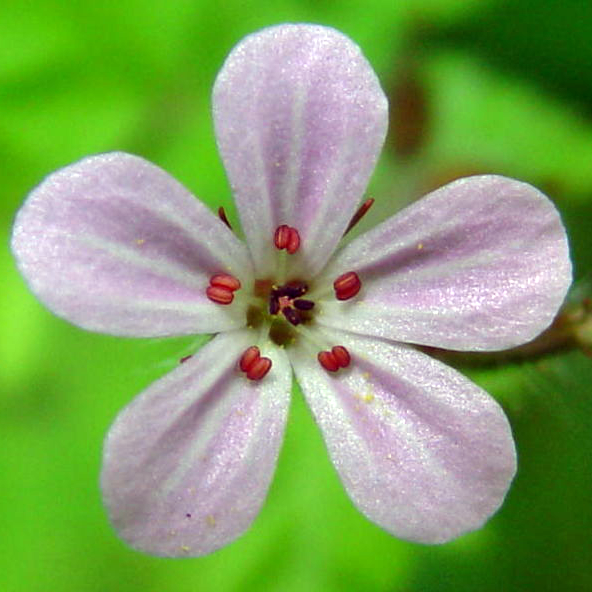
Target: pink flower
x,y
114,244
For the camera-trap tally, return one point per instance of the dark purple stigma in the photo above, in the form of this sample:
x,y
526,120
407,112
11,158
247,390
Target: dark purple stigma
x,y
286,300
302,304
292,315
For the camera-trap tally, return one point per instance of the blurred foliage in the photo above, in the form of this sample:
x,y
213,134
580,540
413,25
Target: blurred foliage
x,y
496,86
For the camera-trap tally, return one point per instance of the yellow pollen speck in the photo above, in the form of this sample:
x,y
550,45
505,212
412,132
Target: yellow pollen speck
x,y
420,246
140,241
210,520
185,548
367,398
366,375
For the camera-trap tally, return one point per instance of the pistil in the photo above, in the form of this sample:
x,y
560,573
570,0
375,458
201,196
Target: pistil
x,y
302,304
292,315
286,300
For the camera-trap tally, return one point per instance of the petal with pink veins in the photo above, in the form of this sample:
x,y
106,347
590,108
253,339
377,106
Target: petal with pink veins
x,y
187,464
300,120
113,243
422,451
480,264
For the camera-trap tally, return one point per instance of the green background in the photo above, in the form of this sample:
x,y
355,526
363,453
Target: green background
x,y
478,86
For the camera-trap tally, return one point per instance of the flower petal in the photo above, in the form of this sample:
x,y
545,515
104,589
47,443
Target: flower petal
x,y
300,119
113,243
188,463
480,264
422,451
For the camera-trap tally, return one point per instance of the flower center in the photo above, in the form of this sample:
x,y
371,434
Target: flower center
x,y
287,300
280,309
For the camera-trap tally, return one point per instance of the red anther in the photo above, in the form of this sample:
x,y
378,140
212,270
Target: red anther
x,y
185,358
286,237
219,295
259,369
250,356
346,286
282,236
328,361
341,356
222,216
225,280
359,214
293,242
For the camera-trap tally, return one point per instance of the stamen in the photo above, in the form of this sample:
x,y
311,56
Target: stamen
x,y
302,304
346,286
185,358
225,280
341,355
286,237
293,242
359,214
253,364
219,295
222,287
222,216
250,356
281,236
259,369
327,361
332,360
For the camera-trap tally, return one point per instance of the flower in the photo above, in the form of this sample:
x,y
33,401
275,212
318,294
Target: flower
x,y
114,244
